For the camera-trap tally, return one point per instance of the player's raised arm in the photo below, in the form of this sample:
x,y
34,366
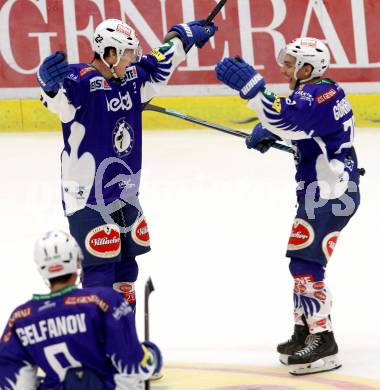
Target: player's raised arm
x,y
160,64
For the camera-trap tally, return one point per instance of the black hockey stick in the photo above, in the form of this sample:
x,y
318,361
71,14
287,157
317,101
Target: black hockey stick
x,y
224,129
149,288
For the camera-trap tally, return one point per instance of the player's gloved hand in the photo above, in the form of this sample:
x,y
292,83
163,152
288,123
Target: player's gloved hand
x,y
157,356
239,75
261,139
52,72
194,33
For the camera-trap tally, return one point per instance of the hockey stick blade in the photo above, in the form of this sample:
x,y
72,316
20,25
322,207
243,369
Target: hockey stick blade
x,y
223,129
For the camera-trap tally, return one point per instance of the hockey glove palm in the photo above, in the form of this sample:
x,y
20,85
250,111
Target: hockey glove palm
x,y
239,75
53,71
194,33
261,139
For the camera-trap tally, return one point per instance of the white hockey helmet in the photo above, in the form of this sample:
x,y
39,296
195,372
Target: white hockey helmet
x,y
117,34
57,253
307,50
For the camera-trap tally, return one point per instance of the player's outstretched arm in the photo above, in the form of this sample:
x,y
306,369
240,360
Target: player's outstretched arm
x,y
161,63
271,109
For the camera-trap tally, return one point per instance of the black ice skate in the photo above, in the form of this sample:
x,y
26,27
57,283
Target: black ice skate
x,y
319,355
294,344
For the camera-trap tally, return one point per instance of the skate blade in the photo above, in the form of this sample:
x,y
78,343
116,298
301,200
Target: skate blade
x,y
284,359
328,363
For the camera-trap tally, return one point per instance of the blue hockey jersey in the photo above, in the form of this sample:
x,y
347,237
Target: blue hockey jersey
x,y
92,328
318,122
102,127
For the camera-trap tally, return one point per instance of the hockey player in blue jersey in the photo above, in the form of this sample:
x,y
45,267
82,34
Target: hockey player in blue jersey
x,y
317,121
100,107
80,338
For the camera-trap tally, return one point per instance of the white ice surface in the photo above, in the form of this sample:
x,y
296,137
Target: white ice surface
x,y
219,217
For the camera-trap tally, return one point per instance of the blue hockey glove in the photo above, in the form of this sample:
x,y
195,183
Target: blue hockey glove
x,y
239,75
194,33
52,72
261,139
156,354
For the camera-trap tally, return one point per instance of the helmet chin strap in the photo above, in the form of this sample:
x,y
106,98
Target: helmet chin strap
x,y
298,81
111,66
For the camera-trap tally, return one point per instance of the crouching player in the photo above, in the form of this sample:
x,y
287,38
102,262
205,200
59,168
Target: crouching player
x,y
81,338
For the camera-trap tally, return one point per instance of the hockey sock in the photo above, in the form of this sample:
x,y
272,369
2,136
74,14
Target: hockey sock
x,y
126,272
127,289
311,296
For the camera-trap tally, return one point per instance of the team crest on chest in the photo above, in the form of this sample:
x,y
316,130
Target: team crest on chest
x,y
123,138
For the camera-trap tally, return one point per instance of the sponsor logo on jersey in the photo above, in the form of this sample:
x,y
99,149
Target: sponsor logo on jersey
x,y
47,305
99,83
73,76
7,336
302,95
123,138
84,71
326,96
128,291
104,241
140,233
301,236
158,55
19,314
341,108
86,300
122,310
120,103
130,73
277,104
328,244
55,268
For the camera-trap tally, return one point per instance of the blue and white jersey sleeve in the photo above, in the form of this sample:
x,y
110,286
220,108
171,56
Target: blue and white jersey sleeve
x,y
16,367
291,118
159,66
